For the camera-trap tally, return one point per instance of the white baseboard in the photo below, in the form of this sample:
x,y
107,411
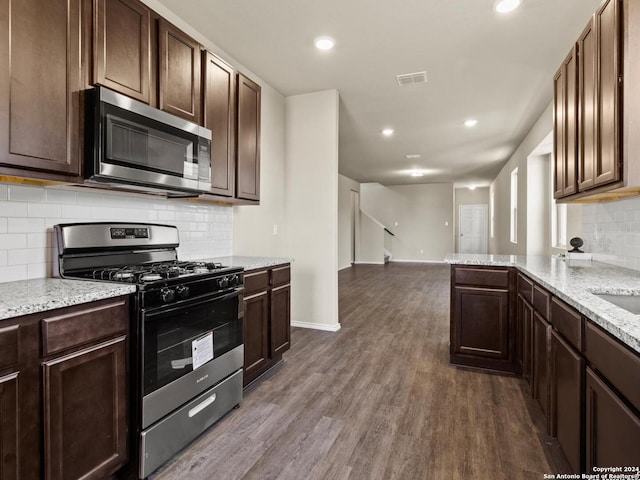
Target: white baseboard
x,y
369,263
345,267
317,326
417,261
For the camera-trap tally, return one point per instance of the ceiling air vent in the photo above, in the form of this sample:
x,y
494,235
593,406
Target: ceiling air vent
x,y
409,79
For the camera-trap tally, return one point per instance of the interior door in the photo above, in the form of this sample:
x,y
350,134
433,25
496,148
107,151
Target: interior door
x,y
473,229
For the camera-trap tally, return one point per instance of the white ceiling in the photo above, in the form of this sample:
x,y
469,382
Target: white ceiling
x,y
480,64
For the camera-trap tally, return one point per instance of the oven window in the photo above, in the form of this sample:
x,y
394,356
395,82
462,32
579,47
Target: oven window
x,y
169,337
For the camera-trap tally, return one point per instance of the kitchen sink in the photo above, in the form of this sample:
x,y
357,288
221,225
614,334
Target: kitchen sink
x,y
631,303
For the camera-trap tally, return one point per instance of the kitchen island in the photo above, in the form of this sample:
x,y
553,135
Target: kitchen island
x,y
541,317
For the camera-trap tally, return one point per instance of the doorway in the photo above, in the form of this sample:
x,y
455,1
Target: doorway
x,y
472,228
355,226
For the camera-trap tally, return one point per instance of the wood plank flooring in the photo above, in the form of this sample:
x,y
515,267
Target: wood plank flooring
x,y
377,400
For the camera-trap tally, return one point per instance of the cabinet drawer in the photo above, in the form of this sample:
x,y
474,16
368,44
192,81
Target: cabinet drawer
x,y
525,288
541,301
619,365
255,282
9,337
83,326
280,276
567,321
482,277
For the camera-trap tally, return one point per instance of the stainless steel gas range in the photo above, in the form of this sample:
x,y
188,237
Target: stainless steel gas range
x,y
186,332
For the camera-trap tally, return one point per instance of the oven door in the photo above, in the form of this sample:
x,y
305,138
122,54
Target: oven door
x,y
187,348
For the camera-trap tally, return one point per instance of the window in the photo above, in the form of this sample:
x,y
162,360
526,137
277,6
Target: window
x,y
514,206
558,220
492,207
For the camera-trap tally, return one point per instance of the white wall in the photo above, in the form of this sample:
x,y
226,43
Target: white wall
x,y
539,205
255,225
311,186
464,196
501,243
345,187
371,241
28,213
421,212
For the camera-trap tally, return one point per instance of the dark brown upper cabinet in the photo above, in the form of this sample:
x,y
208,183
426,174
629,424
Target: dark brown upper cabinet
x,y
606,167
248,140
44,50
121,47
566,126
218,115
179,75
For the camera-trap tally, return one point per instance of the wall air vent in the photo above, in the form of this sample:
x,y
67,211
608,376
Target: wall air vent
x,y
409,79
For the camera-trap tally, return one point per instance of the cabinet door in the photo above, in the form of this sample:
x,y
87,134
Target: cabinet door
x,y
179,73
280,320
256,335
86,412
541,333
525,315
559,105
43,55
565,127
609,54
248,140
613,430
219,94
481,322
587,93
121,50
567,390
9,431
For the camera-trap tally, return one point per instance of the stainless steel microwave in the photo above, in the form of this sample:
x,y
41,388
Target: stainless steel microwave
x,y
131,145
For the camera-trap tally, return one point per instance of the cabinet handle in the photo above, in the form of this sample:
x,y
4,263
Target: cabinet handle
x,y
196,410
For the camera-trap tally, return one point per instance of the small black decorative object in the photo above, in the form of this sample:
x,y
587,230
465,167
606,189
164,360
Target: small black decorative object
x,y
576,243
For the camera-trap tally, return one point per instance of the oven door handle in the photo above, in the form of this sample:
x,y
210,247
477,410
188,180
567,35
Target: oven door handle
x,y
171,308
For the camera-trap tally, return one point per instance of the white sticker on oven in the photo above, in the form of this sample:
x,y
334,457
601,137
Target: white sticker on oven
x,y
202,350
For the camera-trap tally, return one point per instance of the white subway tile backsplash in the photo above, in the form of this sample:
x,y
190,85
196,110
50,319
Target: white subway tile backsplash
x,y
28,213
25,225
12,241
23,193
13,209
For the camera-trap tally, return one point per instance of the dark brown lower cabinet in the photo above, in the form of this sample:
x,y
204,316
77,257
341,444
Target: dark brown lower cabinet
x,y
256,338
9,415
541,334
85,412
267,319
567,393
280,319
612,428
525,316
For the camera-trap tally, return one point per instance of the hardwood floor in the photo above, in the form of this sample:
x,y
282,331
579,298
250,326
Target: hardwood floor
x,y
377,400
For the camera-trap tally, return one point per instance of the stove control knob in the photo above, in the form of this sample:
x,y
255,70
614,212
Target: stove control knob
x,y
223,282
234,281
182,291
168,295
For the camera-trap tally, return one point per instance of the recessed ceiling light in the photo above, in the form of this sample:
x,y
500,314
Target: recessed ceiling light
x,y
324,43
472,187
387,132
417,174
472,122
412,156
505,6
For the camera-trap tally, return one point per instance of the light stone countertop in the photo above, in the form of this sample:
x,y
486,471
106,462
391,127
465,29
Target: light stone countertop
x,y
42,294
575,282
250,263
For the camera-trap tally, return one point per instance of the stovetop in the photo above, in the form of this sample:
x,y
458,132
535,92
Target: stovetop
x,y
154,272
